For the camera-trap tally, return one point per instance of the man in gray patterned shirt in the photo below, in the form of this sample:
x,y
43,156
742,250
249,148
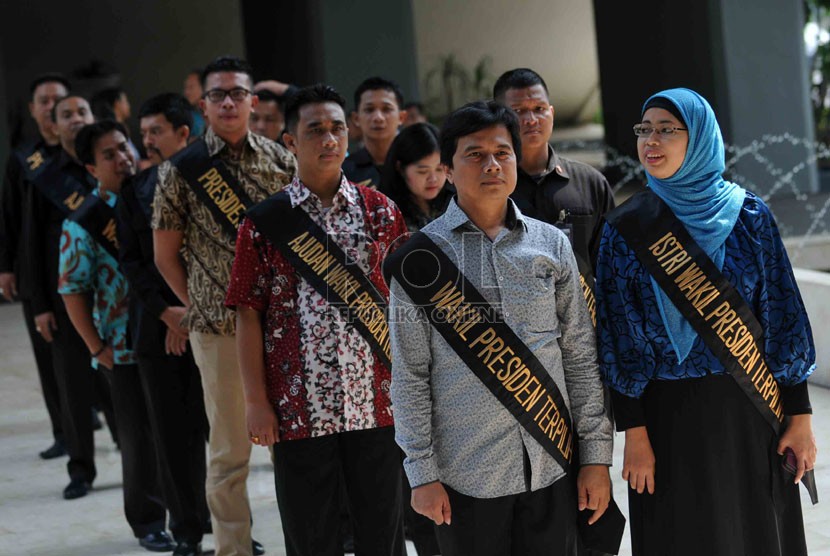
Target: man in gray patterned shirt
x,y
475,471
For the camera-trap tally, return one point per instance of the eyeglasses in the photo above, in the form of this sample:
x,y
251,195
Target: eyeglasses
x,y
237,94
645,130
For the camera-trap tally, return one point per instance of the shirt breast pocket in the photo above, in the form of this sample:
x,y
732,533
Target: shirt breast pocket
x,y
538,304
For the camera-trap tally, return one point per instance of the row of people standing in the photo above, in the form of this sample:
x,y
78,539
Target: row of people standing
x,y
316,387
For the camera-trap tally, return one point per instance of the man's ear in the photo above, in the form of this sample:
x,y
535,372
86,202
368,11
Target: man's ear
x,y
353,119
290,142
32,109
183,133
448,170
202,105
92,170
404,116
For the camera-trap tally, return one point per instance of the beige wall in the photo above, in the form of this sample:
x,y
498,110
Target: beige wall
x,y
554,37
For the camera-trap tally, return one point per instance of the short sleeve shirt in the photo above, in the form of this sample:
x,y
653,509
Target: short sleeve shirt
x,y
340,386
86,267
263,168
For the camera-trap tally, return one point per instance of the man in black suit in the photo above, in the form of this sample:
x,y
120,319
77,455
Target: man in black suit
x,y
169,377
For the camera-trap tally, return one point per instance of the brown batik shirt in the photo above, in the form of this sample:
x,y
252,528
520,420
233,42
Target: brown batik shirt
x,y
263,168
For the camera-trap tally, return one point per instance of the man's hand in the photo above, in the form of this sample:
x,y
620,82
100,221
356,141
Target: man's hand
x,y
8,285
593,487
800,439
272,85
174,344
638,461
431,500
106,358
45,323
263,425
173,317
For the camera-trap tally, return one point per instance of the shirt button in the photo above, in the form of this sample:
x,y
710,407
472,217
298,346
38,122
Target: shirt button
x,y
501,278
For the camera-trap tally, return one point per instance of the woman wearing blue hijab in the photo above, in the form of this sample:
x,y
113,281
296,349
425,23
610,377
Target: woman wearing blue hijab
x,y
703,465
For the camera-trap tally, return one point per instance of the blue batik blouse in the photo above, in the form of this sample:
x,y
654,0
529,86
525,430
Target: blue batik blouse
x,y
634,347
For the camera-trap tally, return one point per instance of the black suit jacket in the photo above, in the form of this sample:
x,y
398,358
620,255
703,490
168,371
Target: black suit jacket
x,y
149,293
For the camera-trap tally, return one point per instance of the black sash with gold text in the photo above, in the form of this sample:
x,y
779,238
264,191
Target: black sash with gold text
x,y
702,294
98,218
484,342
324,265
214,185
62,189
586,282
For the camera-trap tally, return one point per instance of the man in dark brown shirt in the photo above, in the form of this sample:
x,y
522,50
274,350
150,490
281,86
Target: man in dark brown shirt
x,y
568,194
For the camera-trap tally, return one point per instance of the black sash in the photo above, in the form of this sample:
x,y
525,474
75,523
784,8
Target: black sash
x,y
214,185
586,282
98,218
61,188
703,296
484,342
324,265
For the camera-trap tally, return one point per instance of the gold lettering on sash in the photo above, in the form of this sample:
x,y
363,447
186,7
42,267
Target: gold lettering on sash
x,y
723,319
456,310
515,377
109,233
35,160
221,193
336,276
590,299
74,200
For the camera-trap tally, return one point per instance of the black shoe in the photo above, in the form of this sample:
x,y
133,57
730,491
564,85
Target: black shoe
x,y
158,541
185,548
56,450
76,489
257,548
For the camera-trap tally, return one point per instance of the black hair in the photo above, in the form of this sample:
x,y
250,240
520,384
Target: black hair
x,y
411,145
197,72
378,84
103,102
519,78
89,135
49,78
270,96
473,117
413,104
54,112
313,94
172,106
227,64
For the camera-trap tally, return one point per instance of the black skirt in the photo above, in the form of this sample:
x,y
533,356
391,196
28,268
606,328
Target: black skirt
x,y
719,486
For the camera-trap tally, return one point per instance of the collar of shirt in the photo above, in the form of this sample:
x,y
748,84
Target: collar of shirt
x,y
455,217
299,193
215,143
108,196
554,167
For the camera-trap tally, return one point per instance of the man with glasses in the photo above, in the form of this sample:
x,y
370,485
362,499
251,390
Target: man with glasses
x,y
202,194
568,194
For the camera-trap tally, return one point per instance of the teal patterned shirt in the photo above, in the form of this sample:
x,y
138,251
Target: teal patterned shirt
x,y
86,267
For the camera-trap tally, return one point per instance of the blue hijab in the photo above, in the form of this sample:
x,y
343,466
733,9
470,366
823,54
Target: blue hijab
x,y
706,204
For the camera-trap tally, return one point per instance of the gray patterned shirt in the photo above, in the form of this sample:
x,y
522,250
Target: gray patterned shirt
x,y
450,426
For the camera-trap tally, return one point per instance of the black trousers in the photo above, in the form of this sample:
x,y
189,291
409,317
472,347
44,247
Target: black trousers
x,y
539,523
80,388
175,405
143,507
308,474
45,371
